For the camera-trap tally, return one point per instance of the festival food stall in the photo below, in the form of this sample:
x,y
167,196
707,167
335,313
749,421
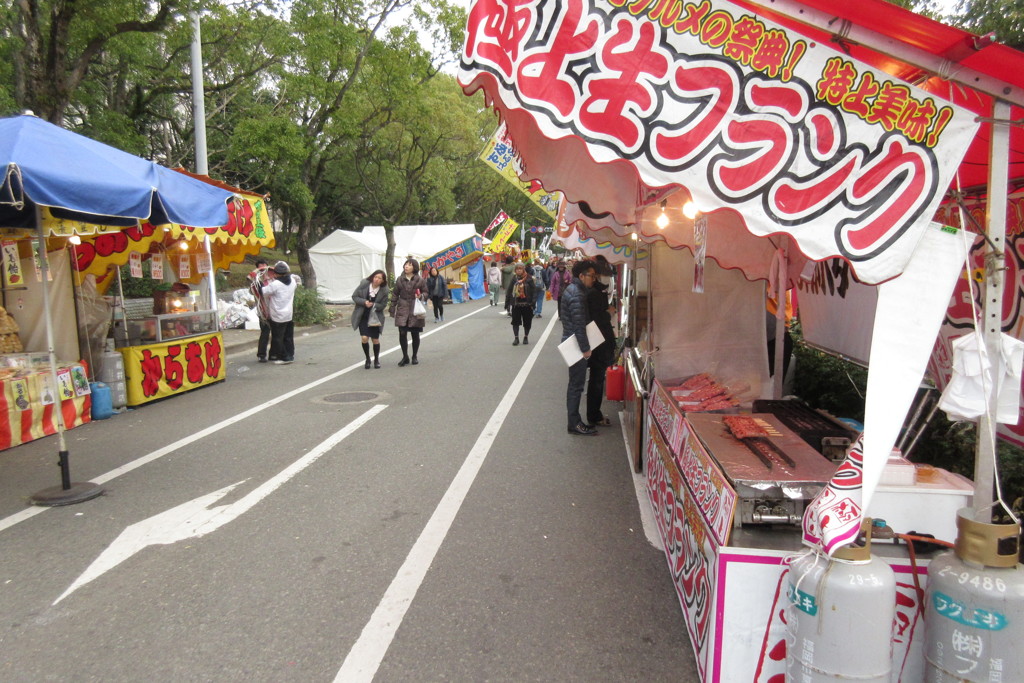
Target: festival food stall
x,y
465,254
172,343
802,132
75,178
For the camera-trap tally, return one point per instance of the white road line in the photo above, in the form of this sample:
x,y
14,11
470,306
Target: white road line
x,y
31,512
368,652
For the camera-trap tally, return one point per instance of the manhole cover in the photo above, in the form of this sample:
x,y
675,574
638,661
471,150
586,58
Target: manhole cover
x,y
351,397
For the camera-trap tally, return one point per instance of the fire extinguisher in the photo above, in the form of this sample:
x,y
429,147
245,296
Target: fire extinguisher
x,y
615,383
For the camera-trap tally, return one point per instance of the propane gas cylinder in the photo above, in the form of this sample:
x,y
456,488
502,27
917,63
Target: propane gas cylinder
x,y
974,616
842,616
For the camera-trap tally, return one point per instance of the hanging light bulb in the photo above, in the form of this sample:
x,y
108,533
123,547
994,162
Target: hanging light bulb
x,y
662,220
635,238
183,245
690,210
75,239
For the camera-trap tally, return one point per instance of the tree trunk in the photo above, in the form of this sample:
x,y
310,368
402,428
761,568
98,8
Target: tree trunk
x,y
389,254
306,267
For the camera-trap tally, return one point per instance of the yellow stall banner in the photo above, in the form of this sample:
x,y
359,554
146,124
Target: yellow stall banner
x,y
161,370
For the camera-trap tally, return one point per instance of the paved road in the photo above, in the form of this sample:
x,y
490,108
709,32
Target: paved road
x,y
441,526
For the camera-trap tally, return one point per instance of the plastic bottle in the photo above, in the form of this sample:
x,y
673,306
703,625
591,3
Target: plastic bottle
x,y
102,408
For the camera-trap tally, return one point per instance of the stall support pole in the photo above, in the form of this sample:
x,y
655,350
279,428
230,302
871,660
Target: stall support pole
x,y
67,493
992,305
780,319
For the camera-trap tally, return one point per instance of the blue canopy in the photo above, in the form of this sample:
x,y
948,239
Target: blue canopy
x,y
77,177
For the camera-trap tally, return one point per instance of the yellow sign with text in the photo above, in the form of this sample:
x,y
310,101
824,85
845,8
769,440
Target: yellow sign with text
x,y
169,368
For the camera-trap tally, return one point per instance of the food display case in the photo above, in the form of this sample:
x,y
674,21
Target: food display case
x,y
170,326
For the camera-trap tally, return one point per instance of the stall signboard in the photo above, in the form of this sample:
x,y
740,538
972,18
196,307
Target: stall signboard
x,y
711,492
161,370
689,549
499,154
247,232
794,135
667,416
456,255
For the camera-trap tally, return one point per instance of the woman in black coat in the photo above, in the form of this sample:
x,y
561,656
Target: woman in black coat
x,y
370,299
437,286
521,296
409,286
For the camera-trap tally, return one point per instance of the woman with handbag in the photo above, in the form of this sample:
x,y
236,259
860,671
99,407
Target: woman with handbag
x,y
369,299
408,309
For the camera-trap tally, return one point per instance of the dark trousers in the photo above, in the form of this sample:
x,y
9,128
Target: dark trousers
x,y
522,315
577,378
282,342
595,390
438,306
261,347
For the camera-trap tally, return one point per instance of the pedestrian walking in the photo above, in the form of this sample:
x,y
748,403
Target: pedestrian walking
x,y
494,282
279,293
572,310
437,286
539,287
258,278
370,298
507,272
522,297
410,288
560,279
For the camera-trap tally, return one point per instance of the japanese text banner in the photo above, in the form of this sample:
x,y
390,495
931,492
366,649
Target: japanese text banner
x,y
499,154
792,134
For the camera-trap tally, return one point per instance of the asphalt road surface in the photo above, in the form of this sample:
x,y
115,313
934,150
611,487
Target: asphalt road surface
x,y
323,522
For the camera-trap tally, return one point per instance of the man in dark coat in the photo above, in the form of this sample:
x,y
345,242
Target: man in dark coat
x,y
572,310
600,310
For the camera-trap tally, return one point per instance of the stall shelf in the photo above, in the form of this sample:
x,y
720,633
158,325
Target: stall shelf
x,y
27,404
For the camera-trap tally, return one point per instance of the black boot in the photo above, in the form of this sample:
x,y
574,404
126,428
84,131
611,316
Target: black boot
x,y
376,356
366,352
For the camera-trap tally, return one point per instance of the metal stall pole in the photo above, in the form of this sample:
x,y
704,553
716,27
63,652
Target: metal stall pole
x,y
67,493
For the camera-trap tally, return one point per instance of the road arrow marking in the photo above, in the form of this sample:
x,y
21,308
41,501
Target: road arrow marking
x,y
196,518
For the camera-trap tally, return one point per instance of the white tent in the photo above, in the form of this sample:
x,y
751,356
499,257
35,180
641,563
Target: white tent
x,y
342,259
421,241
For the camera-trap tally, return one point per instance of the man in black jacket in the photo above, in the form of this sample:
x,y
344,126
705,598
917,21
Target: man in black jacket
x,y
572,310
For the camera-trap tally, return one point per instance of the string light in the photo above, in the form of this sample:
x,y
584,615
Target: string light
x,y
690,210
662,220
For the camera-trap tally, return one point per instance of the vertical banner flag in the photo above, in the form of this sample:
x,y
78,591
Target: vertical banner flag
x,y
498,220
500,155
13,277
507,229
156,266
135,264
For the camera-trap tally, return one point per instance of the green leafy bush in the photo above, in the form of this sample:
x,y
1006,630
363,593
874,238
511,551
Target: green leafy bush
x,y
310,308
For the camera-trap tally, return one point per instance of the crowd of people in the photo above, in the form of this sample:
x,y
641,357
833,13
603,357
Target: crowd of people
x,y
579,290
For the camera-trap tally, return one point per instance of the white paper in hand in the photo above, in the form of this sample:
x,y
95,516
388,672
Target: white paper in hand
x,y
570,348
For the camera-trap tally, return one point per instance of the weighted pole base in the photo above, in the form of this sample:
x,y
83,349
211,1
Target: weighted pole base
x,y
58,495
